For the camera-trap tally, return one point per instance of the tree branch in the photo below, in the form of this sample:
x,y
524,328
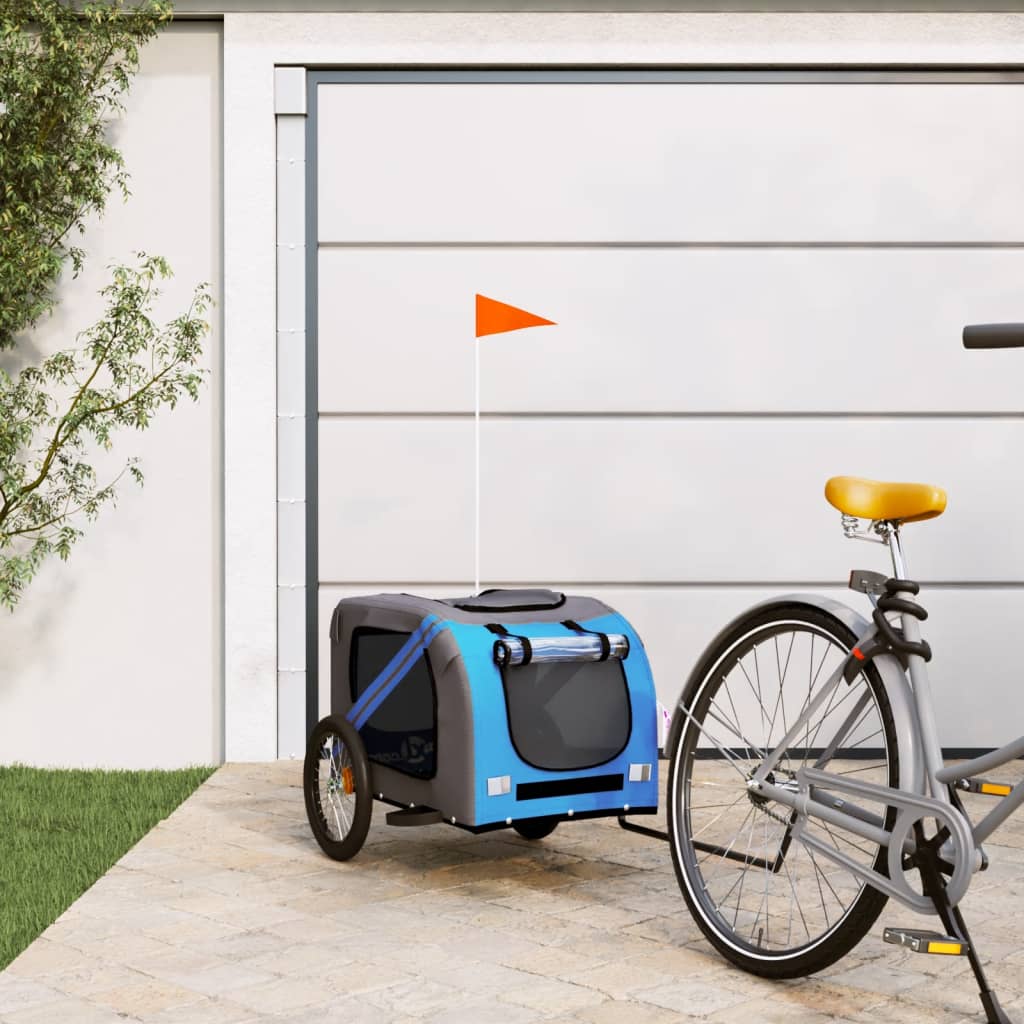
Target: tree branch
x,y
57,440
67,513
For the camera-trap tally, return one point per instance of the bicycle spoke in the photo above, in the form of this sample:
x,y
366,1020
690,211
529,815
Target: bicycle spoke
x,y
722,854
729,758
723,858
764,898
858,713
748,746
778,699
708,825
718,867
723,903
849,842
760,698
820,877
711,807
844,732
796,901
831,709
807,704
743,875
866,768
810,687
755,692
728,693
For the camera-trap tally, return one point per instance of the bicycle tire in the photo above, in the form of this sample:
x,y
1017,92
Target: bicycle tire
x,y
753,953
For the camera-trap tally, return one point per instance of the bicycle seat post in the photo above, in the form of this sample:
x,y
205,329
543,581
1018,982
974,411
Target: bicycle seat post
x,y
890,533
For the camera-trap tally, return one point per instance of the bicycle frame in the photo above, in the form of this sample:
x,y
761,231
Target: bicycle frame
x,y
813,798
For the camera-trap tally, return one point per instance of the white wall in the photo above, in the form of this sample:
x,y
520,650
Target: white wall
x,y
115,657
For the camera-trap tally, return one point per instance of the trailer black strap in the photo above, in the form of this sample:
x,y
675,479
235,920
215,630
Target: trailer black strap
x,y
606,647
499,630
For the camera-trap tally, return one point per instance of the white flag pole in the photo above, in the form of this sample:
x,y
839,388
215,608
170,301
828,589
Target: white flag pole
x,y
492,317
476,432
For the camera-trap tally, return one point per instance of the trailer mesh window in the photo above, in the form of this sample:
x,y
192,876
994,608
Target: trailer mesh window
x,y
402,732
566,716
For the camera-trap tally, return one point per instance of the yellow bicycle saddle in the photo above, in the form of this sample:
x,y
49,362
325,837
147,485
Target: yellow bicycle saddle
x,y
869,499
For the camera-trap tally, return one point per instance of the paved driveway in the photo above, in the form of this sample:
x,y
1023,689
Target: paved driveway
x,y
227,912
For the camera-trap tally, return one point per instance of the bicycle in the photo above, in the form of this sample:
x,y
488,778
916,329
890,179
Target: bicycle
x,y
790,831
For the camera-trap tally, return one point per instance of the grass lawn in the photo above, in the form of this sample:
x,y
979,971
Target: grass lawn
x,y
61,830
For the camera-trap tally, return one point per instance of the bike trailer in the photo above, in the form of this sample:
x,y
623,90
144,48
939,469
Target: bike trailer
x,y
497,709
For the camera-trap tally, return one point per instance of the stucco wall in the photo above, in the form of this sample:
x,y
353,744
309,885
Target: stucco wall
x,y
115,657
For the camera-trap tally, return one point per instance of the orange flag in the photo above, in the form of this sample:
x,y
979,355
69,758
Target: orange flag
x,y
493,317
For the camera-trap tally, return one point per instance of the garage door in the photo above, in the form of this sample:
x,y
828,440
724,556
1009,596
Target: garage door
x,y
758,282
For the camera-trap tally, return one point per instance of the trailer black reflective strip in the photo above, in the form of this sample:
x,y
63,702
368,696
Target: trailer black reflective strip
x,y
569,787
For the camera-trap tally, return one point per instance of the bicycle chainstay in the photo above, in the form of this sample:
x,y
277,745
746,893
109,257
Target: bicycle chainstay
x,y
910,809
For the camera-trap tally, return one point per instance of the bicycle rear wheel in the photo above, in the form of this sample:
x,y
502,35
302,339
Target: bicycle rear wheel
x,y
766,902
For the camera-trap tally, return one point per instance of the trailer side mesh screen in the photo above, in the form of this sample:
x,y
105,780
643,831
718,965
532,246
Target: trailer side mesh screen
x,y
402,732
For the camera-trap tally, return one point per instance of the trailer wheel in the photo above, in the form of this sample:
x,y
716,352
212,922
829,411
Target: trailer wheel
x,y
536,828
336,785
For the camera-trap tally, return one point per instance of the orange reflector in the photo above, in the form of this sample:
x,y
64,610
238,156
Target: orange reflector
x,y
858,654
348,782
995,789
945,948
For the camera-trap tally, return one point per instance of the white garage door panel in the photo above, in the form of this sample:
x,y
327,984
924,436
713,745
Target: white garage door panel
x,y
671,162
395,499
676,624
656,499
669,330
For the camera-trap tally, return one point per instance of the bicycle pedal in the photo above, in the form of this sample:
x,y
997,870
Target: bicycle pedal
x,y
918,941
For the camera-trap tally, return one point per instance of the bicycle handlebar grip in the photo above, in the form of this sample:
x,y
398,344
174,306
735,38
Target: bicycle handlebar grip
x,y
994,336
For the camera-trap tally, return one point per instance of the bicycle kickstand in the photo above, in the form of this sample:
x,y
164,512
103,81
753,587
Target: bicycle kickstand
x,y
953,922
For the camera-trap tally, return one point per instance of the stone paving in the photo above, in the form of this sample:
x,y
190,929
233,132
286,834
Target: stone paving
x,y
227,913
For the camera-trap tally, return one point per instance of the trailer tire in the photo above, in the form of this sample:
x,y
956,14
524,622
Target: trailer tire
x,y
341,826
536,828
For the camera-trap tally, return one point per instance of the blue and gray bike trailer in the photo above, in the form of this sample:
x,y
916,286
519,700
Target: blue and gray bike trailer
x,y
512,708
